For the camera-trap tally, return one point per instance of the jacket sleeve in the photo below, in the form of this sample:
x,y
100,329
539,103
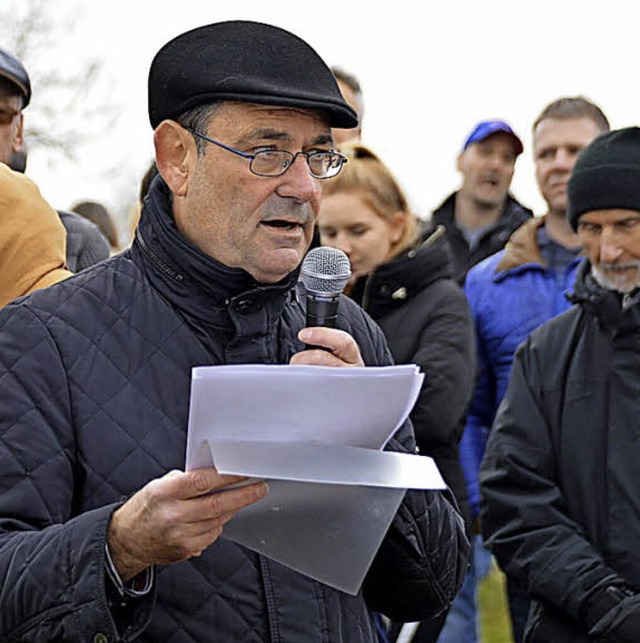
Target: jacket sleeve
x,y
446,354
422,561
523,516
423,558
484,403
52,561
482,408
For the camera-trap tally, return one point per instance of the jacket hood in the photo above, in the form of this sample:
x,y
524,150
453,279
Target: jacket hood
x,y
32,238
395,282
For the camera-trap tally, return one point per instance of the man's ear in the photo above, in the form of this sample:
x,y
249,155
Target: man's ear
x,y
176,154
459,162
17,144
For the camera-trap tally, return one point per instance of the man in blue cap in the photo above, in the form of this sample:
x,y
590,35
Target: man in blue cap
x,y
481,215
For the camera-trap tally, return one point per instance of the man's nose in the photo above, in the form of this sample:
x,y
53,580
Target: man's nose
x,y
496,161
563,160
610,249
297,182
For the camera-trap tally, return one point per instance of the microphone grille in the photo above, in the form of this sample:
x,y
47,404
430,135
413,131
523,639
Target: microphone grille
x,y
325,270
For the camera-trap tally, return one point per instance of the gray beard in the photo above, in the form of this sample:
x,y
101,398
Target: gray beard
x,y
618,285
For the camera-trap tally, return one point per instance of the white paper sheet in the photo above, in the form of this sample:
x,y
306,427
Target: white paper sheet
x,y
315,434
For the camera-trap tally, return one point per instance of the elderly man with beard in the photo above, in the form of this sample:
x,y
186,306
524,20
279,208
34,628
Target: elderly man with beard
x,y
560,480
102,536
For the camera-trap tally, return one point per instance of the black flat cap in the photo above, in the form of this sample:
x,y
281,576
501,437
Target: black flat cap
x,y
243,61
13,70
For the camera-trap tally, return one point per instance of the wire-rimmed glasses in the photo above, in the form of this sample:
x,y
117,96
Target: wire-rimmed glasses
x,y
322,164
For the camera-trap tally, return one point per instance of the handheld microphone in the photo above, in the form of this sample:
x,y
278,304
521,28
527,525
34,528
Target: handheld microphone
x,y
325,272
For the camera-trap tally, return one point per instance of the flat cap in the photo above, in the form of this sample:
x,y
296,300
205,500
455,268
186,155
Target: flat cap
x,y
13,70
243,61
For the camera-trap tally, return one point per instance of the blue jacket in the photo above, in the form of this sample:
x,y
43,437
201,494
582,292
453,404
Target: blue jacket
x,y
510,294
95,376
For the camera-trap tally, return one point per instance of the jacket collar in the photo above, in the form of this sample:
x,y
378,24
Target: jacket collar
x,y
614,310
189,278
444,214
397,281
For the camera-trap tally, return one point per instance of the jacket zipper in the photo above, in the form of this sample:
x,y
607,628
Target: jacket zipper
x,y
157,261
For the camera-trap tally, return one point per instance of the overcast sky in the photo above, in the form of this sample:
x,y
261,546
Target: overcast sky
x,y
429,71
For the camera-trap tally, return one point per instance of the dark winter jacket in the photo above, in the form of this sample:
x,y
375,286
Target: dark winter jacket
x,y
426,321
86,245
492,240
560,480
510,294
95,376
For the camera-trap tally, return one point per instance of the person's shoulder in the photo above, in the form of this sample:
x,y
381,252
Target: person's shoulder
x,y
516,211
558,328
120,274
548,346
440,295
75,223
355,316
484,272
445,210
87,233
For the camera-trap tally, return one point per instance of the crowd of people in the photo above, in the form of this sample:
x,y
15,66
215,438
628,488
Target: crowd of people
x,y
525,326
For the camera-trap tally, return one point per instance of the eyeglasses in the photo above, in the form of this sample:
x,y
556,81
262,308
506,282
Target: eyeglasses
x,y
322,165
7,115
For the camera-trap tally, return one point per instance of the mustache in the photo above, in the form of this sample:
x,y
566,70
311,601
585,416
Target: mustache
x,y
613,277
614,267
289,210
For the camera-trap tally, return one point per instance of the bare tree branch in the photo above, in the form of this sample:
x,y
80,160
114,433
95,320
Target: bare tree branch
x,y
63,96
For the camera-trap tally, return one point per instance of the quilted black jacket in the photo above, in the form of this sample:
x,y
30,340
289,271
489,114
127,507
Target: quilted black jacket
x,y
426,321
94,377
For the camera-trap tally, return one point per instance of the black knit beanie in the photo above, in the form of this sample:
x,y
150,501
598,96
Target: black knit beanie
x,y
606,175
243,61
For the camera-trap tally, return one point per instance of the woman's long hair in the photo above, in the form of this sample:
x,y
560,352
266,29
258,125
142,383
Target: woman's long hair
x,y
366,175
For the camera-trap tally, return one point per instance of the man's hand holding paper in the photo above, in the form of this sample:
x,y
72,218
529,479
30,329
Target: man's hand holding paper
x,y
175,517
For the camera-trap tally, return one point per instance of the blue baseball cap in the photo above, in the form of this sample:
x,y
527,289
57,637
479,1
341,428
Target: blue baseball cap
x,y
13,70
484,129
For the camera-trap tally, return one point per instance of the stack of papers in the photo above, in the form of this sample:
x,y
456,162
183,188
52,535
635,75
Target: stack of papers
x,y
315,434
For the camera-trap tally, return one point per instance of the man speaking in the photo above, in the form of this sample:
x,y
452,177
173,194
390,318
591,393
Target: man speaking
x,y
102,536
